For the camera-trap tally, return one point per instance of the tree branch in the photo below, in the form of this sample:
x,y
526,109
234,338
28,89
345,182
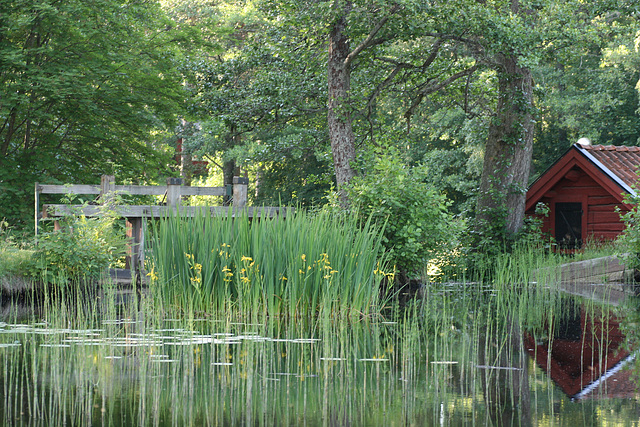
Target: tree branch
x,y
211,160
371,40
434,53
384,84
434,87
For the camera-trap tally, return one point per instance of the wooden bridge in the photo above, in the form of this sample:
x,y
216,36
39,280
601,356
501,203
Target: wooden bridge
x,y
137,215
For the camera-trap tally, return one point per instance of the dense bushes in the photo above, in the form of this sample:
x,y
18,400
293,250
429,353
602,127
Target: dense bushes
x,y
418,227
629,241
84,248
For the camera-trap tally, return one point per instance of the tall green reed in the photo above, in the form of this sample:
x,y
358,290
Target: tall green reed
x,y
299,265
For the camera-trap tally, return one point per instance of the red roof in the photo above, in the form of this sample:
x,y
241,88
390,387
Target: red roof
x,y
615,168
622,161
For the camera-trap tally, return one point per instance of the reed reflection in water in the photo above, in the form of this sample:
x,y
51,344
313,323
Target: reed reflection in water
x,y
450,358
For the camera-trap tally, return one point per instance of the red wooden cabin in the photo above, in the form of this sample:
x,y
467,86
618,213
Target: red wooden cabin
x,y
583,190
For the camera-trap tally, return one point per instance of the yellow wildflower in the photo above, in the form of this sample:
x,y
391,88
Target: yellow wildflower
x,y
152,275
246,258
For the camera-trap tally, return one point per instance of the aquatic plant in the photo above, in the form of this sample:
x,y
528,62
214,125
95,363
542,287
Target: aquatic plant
x,y
302,264
453,357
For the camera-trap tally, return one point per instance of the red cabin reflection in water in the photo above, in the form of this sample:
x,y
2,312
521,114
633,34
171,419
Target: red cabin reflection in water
x,y
586,357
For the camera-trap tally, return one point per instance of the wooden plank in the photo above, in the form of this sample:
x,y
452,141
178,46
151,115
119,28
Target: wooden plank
x,y
37,210
603,202
606,227
160,190
174,192
597,270
143,190
240,191
603,217
135,234
139,211
203,191
68,189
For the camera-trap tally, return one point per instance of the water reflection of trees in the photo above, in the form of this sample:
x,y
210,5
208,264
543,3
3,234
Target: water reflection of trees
x,y
503,363
457,356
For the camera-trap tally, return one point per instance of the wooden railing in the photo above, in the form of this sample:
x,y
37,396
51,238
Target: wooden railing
x,y
136,215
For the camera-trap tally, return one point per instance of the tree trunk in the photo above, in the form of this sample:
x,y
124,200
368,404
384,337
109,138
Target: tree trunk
x,y
507,159
338,114
186,167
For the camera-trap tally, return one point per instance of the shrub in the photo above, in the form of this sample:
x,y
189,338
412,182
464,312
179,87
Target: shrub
x,y
629,241
418,227
83,248
15,254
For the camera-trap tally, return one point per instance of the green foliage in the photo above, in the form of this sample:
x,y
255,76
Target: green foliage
x,y
85,86
302,181
417,224
16,256
304,264
531,234
84,247
629,241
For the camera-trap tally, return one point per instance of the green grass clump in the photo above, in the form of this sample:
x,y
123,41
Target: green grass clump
x,y
15,261
304,264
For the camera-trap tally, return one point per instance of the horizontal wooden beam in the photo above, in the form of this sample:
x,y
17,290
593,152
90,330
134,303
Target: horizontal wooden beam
x,y
139,211
144,190
67,189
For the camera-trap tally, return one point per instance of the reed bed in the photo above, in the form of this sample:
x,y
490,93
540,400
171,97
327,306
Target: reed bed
x,y
301,265
453,357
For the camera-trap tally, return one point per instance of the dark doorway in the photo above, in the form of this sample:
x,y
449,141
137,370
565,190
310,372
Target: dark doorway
x,y
569,225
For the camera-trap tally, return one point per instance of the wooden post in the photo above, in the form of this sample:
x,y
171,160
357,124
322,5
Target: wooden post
x,y
37,207
107,188
240,186
173,191
135,234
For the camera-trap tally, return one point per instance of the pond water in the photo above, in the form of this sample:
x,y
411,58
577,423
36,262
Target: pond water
x,y
456,357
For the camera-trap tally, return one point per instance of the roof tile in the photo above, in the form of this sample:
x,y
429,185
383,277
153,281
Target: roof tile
x,y
620,160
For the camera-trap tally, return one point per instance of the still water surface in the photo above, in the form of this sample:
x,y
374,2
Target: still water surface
x,y
451,359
